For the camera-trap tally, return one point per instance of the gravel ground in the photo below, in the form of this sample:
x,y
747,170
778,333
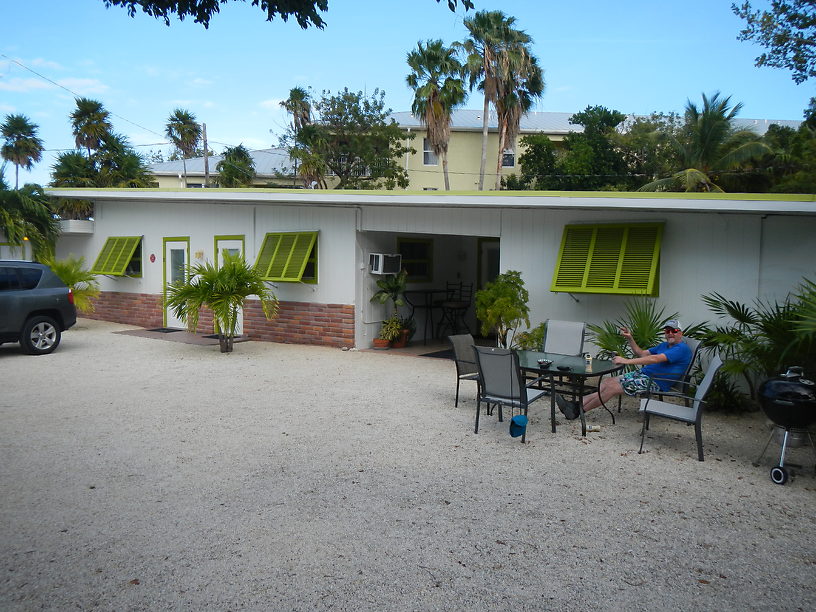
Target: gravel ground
x,y
138,474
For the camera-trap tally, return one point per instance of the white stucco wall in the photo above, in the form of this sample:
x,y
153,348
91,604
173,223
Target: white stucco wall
x,y
201,222
742,249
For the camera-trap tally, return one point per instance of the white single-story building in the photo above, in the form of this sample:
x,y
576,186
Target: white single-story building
x,y
605,246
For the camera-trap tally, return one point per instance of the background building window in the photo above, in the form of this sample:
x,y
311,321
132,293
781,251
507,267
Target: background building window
x,y
428,156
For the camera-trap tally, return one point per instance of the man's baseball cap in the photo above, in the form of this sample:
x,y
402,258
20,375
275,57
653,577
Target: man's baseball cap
x,y
673,323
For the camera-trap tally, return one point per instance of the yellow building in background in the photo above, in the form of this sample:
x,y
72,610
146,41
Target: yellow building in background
x,y
274,168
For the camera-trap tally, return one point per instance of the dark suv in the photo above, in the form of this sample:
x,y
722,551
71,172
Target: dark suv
x,y
35,306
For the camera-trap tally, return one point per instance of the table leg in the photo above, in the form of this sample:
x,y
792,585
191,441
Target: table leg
x,y
605,407
552,402
581,405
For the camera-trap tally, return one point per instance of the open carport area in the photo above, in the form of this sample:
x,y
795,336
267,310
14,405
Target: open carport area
x,y
140,474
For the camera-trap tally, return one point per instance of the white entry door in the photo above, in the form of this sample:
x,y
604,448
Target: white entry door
x,y
234,245
176,258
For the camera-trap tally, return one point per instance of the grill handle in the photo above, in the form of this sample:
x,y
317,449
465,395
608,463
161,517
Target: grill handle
x,y
780,402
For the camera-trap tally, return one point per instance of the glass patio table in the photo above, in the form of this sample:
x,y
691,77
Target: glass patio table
x,y
574,369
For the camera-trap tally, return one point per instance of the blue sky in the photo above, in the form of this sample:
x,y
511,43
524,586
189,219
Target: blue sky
x,y
636,57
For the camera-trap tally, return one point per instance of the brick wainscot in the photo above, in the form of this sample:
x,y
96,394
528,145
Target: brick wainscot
x,y
296,323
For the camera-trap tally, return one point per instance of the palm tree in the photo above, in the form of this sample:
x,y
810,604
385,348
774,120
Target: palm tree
x,y
26,216
22,147
436,79
521,83
90,122
74,274
709,144
185,133
491,35
299,105
223,290
236,169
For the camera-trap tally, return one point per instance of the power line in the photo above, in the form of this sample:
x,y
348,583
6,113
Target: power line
x,y
76,95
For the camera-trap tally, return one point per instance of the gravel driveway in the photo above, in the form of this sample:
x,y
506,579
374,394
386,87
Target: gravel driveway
x,y
139,474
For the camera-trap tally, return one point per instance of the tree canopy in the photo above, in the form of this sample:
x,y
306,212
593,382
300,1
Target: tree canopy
x,y
436,78
306,12
354,138
787,31
21,145
236,169
26,216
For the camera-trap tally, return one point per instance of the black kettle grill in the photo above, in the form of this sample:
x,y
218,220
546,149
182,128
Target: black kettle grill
x,y
789,400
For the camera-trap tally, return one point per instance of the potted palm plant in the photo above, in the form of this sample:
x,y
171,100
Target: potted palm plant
x,y
391,288
222,290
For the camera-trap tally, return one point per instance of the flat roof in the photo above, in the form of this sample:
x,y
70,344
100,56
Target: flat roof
x,y
761,203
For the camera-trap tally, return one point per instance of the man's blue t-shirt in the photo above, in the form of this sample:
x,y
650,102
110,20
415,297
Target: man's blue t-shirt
x,y
677,361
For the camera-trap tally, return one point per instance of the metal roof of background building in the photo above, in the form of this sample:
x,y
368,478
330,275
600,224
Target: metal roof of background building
x,y
557,123
268,163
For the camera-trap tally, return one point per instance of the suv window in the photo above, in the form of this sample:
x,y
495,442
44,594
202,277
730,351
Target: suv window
x,y
8,279
30,277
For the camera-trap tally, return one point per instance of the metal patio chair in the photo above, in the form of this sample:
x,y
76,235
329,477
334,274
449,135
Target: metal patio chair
x,y
691,414
454,308
564,337
465,358
502,383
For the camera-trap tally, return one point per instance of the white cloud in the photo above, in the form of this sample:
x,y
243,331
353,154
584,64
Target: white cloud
x,y
84,86
201,82
271,104
43,63
23,85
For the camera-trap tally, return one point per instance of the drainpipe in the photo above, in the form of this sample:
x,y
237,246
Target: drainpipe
x,y
407,144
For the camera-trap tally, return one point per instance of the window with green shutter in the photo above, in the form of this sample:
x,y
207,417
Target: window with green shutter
x,y
121,256
289,257
619,259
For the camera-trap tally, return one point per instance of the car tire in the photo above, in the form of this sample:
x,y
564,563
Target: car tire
x,y
40,336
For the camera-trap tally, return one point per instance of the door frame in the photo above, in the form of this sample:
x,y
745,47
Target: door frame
x,y
165,241
217,251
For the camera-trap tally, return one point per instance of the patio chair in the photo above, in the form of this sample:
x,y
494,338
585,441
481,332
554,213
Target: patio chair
x,y
564,337
502,383
465,358
691,414
454,307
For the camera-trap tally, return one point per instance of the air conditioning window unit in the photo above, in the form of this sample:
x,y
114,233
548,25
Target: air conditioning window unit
x,y
383,263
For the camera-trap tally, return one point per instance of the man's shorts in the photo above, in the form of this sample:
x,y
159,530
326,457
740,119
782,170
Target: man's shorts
x,y
635,383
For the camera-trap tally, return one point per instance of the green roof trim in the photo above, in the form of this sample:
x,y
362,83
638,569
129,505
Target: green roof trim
x,y
283,256
115,256
621,259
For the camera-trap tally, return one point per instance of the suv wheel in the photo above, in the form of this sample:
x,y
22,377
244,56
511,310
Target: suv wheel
x,y
40,336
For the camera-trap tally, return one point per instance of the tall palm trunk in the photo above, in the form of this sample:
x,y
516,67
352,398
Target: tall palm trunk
x,y
445,169
484,143
502,134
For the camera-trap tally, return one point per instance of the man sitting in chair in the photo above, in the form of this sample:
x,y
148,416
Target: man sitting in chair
x,y
667,362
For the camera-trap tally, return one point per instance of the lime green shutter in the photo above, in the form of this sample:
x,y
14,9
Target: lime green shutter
x,y
115,255
284,256
615,258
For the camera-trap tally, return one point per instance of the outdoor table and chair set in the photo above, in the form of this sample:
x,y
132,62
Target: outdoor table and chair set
x,y
515,379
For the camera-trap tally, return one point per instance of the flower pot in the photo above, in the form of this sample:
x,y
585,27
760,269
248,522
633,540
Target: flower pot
x,y
380,343
402,340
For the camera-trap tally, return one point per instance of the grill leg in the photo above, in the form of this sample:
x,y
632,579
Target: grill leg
x,y
784,445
